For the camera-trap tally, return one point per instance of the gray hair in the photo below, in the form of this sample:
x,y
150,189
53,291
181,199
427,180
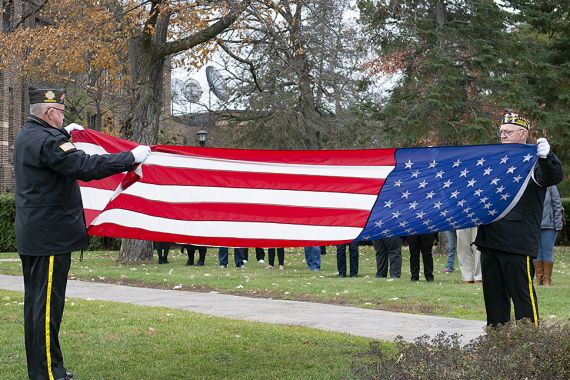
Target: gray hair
x,y
38,109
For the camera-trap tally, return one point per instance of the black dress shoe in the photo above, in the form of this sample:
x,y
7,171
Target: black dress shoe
x,y
188,263
200,264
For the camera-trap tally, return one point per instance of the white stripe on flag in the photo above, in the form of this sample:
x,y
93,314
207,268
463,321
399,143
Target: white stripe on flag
x,y
205,194
251,230
90,148
95,199
181,161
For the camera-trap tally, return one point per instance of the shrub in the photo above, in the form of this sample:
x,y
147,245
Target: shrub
x,y
513,351
7,218
100,243
8,235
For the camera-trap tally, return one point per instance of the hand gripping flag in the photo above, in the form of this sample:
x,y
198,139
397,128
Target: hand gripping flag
x,y
274,198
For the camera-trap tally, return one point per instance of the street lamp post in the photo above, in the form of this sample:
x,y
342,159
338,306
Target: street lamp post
x,y
201,137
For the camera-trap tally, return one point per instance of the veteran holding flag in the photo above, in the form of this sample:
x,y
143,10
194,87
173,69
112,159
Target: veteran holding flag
x,y
509,245
49,220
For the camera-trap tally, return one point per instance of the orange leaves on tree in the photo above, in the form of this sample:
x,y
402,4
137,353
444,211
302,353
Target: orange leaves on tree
x,y
387,64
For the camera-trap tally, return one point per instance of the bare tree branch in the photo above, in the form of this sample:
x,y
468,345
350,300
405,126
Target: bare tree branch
x,y
203,35
39,8
243,60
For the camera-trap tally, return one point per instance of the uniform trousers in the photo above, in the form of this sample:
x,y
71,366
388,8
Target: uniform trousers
x,y
45,282
508,276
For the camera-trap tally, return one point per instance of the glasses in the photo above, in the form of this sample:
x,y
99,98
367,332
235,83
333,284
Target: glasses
x,y
53,108
509,132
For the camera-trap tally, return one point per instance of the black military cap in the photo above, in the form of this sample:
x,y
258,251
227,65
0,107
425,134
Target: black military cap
x,y
516,119
46,95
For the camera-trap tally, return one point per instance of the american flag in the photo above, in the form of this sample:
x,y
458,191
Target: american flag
x,y
271,198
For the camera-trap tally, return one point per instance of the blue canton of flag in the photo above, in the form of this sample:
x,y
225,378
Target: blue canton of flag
x,y
449,188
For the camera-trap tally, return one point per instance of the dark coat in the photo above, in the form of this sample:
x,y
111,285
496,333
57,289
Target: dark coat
x,y
519,230
49,210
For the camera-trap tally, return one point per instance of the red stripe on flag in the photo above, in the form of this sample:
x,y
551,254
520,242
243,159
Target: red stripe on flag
x,y
213,178
109,183
363,157
111,144
90,215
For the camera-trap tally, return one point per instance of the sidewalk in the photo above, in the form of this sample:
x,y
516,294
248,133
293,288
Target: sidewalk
x,y
368,323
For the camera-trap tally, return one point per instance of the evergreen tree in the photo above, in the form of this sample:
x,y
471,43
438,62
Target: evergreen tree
x,y
457,62
544,30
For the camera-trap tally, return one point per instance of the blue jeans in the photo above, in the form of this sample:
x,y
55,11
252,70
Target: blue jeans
x,y
546,245
223,256
313,257
451,249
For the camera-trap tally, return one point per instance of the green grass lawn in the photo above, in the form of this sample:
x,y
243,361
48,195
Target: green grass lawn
x,y
447,296
104,340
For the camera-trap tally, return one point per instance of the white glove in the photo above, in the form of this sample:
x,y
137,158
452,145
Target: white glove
x,y
141,153
73,127
542,147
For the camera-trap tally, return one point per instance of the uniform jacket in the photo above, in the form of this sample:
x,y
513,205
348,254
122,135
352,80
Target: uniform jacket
x,y
49,210
519,230
552,214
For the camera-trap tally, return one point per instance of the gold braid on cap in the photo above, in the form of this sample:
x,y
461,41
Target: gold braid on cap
x,y
516,119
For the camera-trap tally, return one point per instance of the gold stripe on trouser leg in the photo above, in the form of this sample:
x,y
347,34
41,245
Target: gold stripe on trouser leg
x,y
48,303
532,300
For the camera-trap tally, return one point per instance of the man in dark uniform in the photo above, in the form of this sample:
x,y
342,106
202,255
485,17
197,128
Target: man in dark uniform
x,y
509,245
49,220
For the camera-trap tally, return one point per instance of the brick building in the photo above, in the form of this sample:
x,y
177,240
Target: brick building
x,y
14,103
13,100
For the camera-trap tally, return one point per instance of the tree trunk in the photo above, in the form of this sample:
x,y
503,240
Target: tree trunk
x,y
135,250
146,94
308,115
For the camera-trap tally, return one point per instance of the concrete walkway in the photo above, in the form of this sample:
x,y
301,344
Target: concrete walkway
x,y
375,324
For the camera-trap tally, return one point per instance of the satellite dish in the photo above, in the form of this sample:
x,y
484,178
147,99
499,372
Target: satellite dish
x,y
192,90
217,83
178,96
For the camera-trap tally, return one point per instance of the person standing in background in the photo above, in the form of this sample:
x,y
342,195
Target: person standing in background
x,y
313,258
280,258
388,250
341,259
551,224
421,244
451,251
468,256
162,249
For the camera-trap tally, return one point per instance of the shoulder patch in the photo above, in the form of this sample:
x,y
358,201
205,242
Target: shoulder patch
x,y
67,146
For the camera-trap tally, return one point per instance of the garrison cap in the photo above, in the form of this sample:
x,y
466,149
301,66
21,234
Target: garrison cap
x,y
516,119
46,95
